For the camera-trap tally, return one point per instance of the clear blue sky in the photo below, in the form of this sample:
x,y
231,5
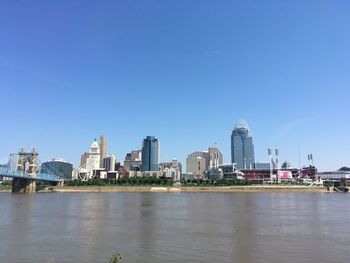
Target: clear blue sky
x,y
183,71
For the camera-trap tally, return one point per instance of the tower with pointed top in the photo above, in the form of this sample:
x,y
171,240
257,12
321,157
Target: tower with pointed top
x,y
93,159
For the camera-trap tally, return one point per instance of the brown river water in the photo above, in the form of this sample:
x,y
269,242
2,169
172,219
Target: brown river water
x,y
175,227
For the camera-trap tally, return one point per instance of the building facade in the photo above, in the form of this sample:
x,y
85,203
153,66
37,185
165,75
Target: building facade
x,y
132,161
242,147
171,169
199,162
150,154
93,160
58,167
90,162
225,171
216,158
103,149
109,163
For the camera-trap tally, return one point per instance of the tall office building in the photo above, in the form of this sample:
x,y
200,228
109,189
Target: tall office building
x,y
103,149
150,154
242,147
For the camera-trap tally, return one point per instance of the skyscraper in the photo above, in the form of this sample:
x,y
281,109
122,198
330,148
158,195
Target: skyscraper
x,y
150,154
242,147
103,149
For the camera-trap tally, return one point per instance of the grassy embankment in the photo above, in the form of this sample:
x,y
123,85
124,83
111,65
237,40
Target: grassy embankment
x,y
5,186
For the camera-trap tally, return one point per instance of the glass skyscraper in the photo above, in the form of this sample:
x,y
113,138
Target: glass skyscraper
x,y
150,154
242,147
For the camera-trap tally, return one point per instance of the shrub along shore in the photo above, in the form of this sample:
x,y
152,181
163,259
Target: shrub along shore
x,y
154,181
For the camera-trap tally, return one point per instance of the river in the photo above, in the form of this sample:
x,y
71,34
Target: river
x,y
175,227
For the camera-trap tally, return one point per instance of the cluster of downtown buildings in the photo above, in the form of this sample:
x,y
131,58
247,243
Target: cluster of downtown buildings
x,y
145,161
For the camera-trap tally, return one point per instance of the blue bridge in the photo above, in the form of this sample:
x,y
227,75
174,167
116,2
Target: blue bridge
x,y
8,172
25,176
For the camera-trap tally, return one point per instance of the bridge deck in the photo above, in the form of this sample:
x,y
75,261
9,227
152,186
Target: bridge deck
x,y
7,172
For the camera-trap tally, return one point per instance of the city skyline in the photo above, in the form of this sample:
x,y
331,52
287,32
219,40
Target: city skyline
x,y
128,70
81,162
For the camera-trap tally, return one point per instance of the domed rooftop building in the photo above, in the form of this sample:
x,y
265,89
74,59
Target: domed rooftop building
x,y
90,161
242,147
243,125
95,147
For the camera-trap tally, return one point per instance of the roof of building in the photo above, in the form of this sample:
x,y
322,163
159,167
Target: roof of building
x,y
242,124
95,144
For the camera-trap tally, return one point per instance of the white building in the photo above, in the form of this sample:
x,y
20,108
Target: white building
x,y
93,160
90,161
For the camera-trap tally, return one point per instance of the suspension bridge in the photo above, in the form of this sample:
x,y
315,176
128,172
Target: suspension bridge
x,y
25,175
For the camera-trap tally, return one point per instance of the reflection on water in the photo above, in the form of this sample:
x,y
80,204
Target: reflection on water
x,y
175,227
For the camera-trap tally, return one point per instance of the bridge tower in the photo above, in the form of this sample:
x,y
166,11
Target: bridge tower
x,y
27,162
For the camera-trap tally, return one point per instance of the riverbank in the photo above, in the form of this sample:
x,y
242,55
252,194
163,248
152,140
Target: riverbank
x,y
254,188
5,188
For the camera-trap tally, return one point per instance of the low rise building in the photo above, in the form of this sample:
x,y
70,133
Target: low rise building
x,y
132,161
334,175
171,169
58,167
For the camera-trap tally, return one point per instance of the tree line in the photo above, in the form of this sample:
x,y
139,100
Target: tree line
x,y
219,182
124,181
